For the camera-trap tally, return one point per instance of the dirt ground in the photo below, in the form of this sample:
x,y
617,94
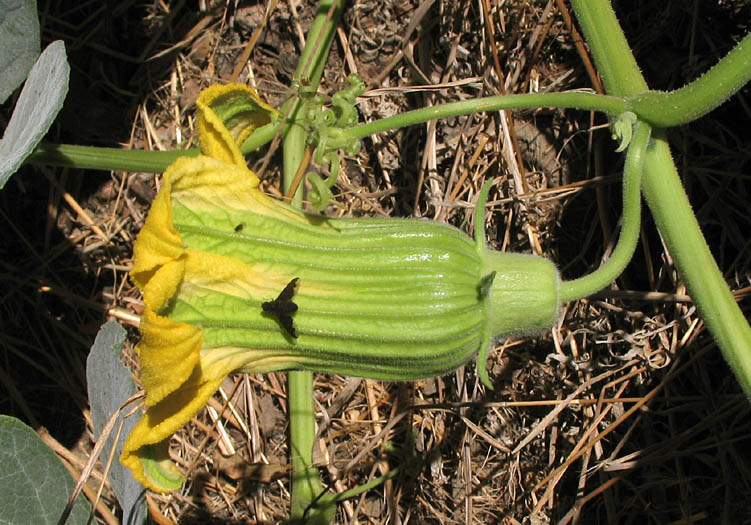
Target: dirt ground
x,y
625,412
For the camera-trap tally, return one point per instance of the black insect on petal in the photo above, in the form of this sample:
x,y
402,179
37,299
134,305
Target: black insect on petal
x,y
283,307
239,228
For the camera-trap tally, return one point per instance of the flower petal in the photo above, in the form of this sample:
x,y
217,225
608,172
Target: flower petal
x,y
145,451
177,379
169,354
206,193
152,467
158,242
227,115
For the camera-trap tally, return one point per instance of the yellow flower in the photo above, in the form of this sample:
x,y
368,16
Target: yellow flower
x,y
235,281
177,376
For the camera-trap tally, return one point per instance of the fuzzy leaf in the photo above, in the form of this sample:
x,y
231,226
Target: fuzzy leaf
x,y
19,26
40,101
110,385
34,484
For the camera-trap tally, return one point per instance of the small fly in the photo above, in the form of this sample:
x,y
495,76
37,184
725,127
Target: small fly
x,y
283,307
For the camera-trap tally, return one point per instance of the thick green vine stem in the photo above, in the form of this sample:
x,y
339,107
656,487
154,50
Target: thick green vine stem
x,y
664,193
610,49
700,96
306,487
624,250
673,216
309,503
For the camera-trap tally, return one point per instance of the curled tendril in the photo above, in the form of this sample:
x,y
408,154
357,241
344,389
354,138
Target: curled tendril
x,y
344,102
327,127
623,129
321,193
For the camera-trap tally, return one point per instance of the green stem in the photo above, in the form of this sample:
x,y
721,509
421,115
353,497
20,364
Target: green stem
x,y
95,158
618,67
261,137
624,250
99,158
700,96
673,216
306,484
318,43
309,72
292,156
575,100
666,198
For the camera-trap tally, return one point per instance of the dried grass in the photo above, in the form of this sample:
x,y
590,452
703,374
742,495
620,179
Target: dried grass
x,y
624,412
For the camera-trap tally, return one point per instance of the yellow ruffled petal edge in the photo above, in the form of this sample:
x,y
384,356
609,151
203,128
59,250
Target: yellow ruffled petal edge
x,y
227,115
145,452
168,351
158,241
176,385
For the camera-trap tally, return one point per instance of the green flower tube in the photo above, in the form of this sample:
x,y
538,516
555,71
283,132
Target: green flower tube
x,y
236,281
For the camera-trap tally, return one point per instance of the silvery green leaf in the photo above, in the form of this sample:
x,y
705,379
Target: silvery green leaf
x,y
34,485
110,385
19,27
40,101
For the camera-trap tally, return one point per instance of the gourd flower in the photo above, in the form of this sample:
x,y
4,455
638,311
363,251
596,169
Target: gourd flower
x,y
234,280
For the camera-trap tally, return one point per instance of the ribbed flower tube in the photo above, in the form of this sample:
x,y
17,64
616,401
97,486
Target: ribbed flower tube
x,y
234,280
385,299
